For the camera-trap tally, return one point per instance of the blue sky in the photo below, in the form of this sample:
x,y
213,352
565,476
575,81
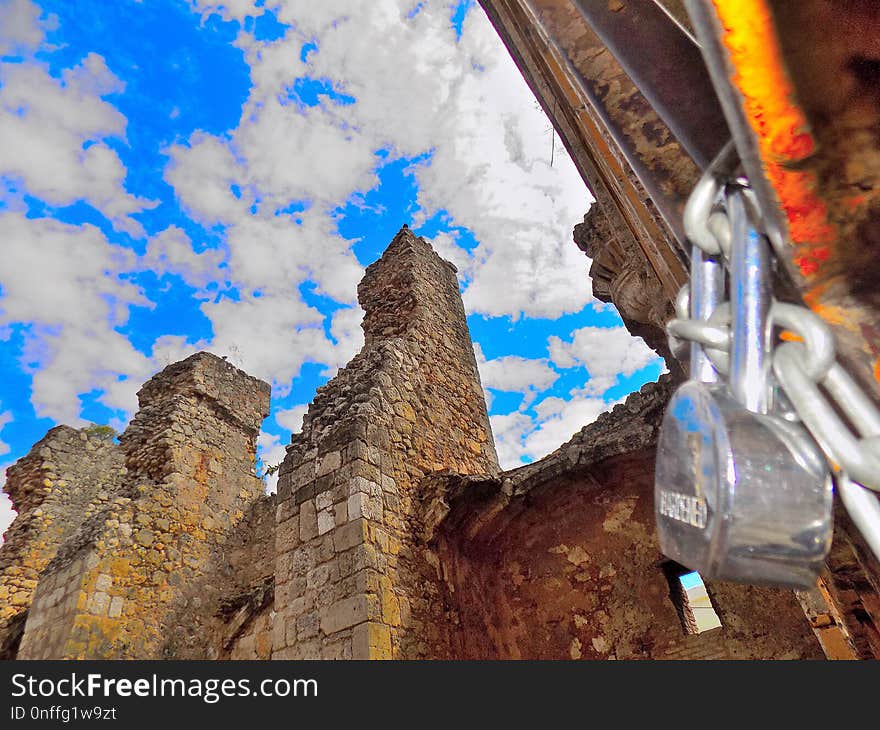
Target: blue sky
x,y
178,175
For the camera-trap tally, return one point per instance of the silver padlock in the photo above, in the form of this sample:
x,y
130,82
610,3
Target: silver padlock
x,y
742,493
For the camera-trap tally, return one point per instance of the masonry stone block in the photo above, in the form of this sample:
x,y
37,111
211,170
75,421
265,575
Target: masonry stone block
x,y
348,612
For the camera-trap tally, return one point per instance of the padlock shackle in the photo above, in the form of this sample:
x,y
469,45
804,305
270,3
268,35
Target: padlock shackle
x,y
706,285
751,299
706,293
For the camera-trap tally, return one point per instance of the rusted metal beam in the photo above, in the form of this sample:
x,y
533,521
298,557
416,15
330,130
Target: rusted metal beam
x,y
832,52
676,10
666,66
800,85
626,154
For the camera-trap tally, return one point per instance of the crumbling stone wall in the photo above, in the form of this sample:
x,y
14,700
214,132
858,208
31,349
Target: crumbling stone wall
x,y
351,579
189,455
393,534
559,559
66,474
227,613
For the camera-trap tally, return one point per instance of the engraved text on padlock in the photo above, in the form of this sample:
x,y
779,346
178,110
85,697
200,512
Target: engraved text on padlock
x,y
740,496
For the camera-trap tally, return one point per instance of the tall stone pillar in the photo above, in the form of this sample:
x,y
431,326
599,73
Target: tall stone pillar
x,y
189,456
352,580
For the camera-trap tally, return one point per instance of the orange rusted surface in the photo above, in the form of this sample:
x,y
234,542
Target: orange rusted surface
x,y
814,126
781,128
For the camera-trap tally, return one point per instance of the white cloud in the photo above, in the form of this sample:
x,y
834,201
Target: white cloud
x,y
291,419
169,349
274,335
447,247
51,133
346,330
514,374
20,28
202,173
596,386
272,254
64,281
292,155
7,513
271,452
273,64
231,9
5,418
417,90
510,431
519,436
559,420
171,252
602,351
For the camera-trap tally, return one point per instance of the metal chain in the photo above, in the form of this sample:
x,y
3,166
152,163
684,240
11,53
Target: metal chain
x,y
814,387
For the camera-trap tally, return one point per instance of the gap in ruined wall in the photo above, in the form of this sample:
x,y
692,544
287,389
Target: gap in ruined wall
x,y
691,598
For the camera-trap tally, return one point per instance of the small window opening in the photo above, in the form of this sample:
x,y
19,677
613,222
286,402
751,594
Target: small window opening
x,y
691,599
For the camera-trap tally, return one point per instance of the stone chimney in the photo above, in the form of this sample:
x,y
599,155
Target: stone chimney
x,y
351,579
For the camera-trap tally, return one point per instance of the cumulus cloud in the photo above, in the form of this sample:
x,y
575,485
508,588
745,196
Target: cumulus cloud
x,y
52,132
5,418
446,245
7,513
171,252
65,281
202,173
291,419
274,335
346,330
510,431
169,349
514,374
521,438
21,30
605,353
271,452
517,374
231,9
596,386
559,420
602,351
418,91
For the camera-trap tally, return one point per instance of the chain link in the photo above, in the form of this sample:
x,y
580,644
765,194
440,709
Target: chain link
x,y
817,388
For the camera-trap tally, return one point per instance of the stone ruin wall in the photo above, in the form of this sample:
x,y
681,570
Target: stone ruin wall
x,y
188,455
393,535
559,559
227,613
351,579
66,475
